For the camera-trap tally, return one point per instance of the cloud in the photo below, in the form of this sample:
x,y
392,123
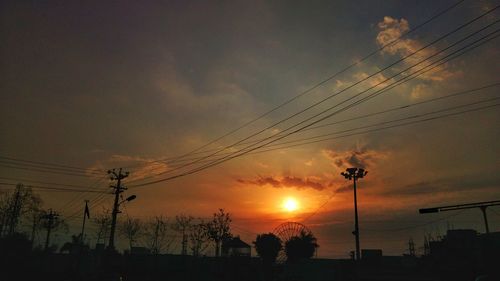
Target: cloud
x,y
390,29
359,157
419,91
286,182
139,167
377,80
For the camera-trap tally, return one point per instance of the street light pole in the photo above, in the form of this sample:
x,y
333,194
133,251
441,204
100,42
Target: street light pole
x,y
356,222
354,174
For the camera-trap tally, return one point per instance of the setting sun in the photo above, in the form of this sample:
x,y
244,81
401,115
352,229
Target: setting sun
x,y
290,204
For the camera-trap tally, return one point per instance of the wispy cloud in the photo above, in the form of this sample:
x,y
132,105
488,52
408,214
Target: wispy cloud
x,y
138,167
286,182
359,157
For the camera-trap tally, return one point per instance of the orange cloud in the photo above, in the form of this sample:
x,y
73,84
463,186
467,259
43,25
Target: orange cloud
x,y
138,167
285,182
391,29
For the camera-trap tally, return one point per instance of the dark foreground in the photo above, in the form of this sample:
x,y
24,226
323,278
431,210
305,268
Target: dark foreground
x,y
449,260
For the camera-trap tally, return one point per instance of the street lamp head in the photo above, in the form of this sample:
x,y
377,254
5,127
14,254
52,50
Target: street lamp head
x,y
354,173
346,175
361,173
351,171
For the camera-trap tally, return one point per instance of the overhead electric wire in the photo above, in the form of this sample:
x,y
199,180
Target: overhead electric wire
x,y
301,141
329,78
272,110
402,107
52,188
363,132
51,164
92,203
366,90
349,87
412,30
373,130
42,182
69,204
382,123
248,152
194,170
347,135
20,167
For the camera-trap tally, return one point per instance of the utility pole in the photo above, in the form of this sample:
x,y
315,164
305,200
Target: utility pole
x,y
354,174
51,217
118,177
86,214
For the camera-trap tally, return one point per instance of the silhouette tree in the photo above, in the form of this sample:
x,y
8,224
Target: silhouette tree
x,y
268,246
132,229
155,234
103,222
198,237
182,225
301,247
219,229
16,206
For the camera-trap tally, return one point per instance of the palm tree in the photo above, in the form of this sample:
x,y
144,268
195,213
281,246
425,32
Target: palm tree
x,y
268,247
301,247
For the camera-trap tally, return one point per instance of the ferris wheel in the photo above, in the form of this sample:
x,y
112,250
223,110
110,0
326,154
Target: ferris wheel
x,y
285,232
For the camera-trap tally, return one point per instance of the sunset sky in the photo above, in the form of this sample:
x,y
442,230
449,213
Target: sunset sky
x,y
108,84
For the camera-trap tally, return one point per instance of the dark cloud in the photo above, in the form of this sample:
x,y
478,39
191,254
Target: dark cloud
x,y
360,157
284,182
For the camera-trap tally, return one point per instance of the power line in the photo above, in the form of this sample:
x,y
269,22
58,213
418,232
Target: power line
x,y
353,134
325,117
42,182
394,121
411,76
51,164
352,85
53,188
20,167
402,107
329,78
381,129
69,204
357,102
251,149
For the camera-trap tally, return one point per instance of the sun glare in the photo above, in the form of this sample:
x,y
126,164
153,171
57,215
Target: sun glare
x,y
290,204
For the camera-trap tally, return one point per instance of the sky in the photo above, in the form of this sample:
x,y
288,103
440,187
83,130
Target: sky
x,y
132,84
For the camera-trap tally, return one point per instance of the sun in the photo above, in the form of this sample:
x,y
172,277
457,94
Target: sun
x,y
290,204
